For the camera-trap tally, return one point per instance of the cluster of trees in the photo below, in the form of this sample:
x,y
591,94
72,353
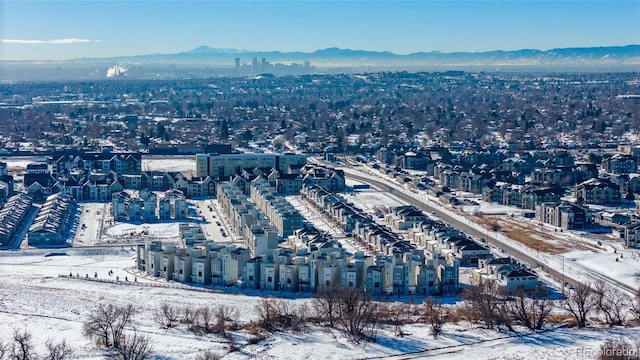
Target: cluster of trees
x,y
218,319
326,108
486,305
351,311
350,308
619,349
22,348
597,301
109,326
602,301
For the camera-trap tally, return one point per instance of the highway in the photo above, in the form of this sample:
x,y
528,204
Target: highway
x,y
466,228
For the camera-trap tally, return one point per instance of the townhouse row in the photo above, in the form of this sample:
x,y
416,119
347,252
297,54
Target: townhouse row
x,y
53,221
305,268
407,270
284,217
172,205
12,214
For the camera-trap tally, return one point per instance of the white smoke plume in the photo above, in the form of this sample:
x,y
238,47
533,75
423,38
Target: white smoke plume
x,y
116,70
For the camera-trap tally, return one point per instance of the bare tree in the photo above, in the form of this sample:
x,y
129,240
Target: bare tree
x,y
482,304
357,313
208,355
22,347
619,349
267,314
134,347
3,349
167,316
531,311
327,301
612,303
504,315
434,315
580,302
396,314
107,324
204,317
635,308
223,315
188,316
276,314
59,351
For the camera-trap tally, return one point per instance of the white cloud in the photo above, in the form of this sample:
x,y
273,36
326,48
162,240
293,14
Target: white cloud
x,y
54,41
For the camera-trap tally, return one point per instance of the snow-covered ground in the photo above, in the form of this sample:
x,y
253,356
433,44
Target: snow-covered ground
x,y
18,164
96,226
33,297
185,164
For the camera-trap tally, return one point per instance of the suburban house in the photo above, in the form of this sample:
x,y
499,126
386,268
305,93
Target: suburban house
x,y
506,275
404,217
564,214
598,191
632,234
620,164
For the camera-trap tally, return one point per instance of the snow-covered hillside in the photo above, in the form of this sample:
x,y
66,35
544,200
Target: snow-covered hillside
x,y
33,297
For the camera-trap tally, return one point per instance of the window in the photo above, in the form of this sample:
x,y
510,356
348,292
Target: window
x,y
430,283
289,281
200,273
250,277
181,271
376,285
269,279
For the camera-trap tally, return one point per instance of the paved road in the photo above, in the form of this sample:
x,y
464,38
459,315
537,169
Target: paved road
x,y
466,228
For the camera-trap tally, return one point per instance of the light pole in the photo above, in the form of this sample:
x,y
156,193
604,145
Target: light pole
x,y
563,274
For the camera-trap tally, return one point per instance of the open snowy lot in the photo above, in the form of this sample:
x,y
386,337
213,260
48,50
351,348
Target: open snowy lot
x,y
96,225
33,297
185,164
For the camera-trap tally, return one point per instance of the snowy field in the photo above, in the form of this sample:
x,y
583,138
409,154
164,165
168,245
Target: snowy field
x,y
96,225
18,164
33,297
185,164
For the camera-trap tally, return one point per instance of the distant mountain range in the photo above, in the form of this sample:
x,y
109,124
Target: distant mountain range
x,y
629,54
205,61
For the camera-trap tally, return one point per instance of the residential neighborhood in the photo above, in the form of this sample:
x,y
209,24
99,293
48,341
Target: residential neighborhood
x,y
303,196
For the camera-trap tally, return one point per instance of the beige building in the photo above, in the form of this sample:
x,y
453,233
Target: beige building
x,y
226,165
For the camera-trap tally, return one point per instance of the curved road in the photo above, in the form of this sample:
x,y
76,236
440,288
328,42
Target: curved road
x,y
466,228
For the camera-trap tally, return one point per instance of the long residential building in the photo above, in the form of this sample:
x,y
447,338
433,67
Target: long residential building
x,y
223,166
309,259
53,221
12,214
284,217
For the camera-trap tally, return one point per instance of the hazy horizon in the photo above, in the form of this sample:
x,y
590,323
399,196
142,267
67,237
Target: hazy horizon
x,y
61,30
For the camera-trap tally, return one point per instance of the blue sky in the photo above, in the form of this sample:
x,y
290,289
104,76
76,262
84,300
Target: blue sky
x,y
66,29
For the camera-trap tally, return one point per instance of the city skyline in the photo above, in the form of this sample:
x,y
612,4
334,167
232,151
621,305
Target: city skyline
x,y
58,30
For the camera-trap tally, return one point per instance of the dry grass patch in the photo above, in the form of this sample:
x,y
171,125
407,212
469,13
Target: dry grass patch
x,y
560,319
535,237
